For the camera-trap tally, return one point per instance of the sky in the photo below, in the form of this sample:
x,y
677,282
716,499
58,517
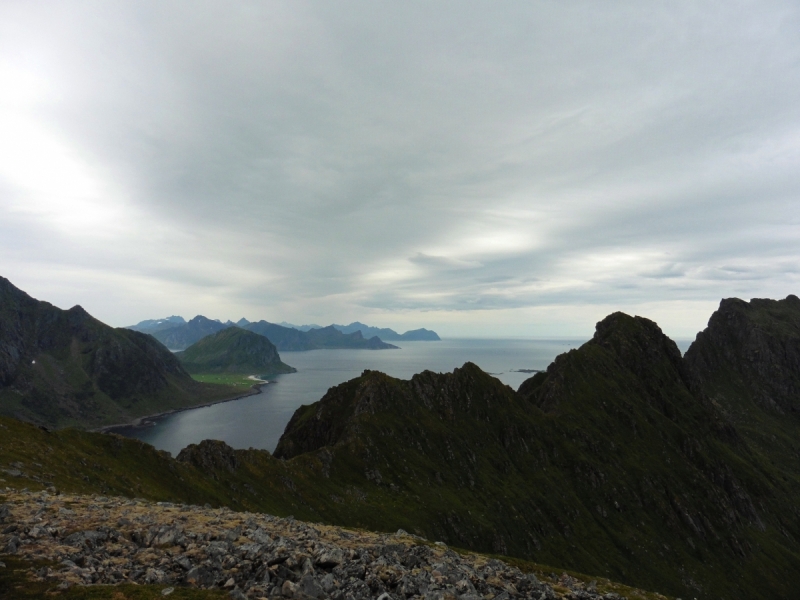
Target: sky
x,y
484,169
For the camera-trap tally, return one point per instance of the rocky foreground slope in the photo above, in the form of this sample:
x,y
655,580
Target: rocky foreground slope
x,y
97,540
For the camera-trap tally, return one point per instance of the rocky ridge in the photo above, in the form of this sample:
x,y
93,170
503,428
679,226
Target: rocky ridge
x,y
101,540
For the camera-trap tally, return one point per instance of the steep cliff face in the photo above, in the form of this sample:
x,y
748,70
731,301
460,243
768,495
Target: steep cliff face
x,y
750,354
608,463
747,363
64,367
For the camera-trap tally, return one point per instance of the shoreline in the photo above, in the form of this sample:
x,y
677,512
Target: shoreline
x,y
146,420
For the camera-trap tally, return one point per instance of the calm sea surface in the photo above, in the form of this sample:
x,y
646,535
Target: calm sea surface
x,y
258,421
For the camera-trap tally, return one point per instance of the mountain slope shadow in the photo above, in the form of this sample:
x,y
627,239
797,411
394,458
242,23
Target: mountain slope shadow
x,y
607,463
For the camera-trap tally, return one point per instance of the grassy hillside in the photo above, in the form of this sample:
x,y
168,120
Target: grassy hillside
x,y
63,367
92,463
234,350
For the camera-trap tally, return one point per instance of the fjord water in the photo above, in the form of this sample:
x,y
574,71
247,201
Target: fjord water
x,y
258,421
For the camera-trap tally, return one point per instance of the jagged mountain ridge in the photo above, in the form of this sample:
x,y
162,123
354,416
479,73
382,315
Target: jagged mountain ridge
x,y
747,363
177,334
289,339
151,325
234,350
387,334
285,339
609,462
180,337
64,367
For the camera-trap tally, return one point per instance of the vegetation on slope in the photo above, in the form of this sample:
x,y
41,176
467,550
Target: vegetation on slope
x,y
234,350
619,461
63,367
607,463
84,462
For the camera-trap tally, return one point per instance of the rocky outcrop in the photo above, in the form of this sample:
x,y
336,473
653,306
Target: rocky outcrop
x,y
465,394
98,540
210,456
750,352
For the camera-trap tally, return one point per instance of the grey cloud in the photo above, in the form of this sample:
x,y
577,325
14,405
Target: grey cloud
x,y
421,156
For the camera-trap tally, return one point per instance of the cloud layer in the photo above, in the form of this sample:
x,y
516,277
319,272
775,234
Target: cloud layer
x,y
514,169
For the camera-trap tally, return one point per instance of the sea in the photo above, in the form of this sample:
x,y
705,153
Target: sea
x,y
258,421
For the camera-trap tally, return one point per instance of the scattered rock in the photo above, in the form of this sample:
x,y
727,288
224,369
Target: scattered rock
x,y
250,555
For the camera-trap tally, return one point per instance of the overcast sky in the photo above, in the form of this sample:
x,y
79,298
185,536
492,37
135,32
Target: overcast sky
x,y
479,168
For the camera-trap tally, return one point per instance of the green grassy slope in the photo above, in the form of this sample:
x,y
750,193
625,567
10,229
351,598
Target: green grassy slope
x,y
234,350
63,367
92,463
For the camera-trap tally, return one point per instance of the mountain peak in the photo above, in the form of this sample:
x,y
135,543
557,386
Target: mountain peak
x,y
638,342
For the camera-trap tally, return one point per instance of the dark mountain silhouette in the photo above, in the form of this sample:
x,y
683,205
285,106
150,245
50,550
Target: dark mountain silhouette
x,y
152,325
290,339
181,337
615,461
64,367
390,335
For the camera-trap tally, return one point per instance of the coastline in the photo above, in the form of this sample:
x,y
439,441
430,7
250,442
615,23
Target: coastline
x,y
147,420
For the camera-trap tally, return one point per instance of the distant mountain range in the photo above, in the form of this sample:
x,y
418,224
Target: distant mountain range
x,y
177,334
152,325
64,367
181,336
421,335
384,333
